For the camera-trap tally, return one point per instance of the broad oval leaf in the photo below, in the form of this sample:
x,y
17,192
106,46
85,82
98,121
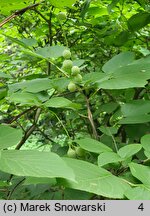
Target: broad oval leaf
x,y
4,75
9,136
50,51
141,172
138,21
25,98
94,179
92,145
61,102
33,86
108,157
138,193
147,154
145,142
34,163
129,150
118,61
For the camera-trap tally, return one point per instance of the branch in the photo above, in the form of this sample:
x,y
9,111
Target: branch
x,y
18,13
15,118
30,130
90,117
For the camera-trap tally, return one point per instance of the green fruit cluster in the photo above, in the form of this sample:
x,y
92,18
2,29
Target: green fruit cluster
x,y
73,71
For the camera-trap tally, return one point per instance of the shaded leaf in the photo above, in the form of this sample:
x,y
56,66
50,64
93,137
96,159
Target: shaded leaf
x,y
9,136
138,21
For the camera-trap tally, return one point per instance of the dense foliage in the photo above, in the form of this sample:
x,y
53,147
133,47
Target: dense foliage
x,y
74,99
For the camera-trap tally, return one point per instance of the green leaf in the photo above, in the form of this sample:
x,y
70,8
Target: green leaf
x,y
147,154
85,8
141,172
3,93
135,112
138,193
122,38
35,180
108,157
34,86
129,150
135,108
108,130
135,119
4,75
25,98
112,5
6,7
94,179
50,51
92,145
60,102
118,61
145,142
138,21
62,3
123,72
19,42
34,164
9,136
29,41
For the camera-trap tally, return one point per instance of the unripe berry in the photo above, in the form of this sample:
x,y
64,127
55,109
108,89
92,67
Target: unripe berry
x,y
79,151
72,86
66,54
61,16
67,64
78,78
71,153
75,70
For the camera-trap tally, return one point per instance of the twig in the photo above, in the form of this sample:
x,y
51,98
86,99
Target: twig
x,y
18,13
11,192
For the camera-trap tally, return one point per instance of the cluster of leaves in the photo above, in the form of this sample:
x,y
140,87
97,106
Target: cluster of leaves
x,y
74,100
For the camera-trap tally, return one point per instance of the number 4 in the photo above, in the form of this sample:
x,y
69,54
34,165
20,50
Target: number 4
x,y
141,207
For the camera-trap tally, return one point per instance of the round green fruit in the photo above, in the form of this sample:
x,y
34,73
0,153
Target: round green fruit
x,y
67,64
78,78
66,54
75,70
61,16
71,153
80,152
72,87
